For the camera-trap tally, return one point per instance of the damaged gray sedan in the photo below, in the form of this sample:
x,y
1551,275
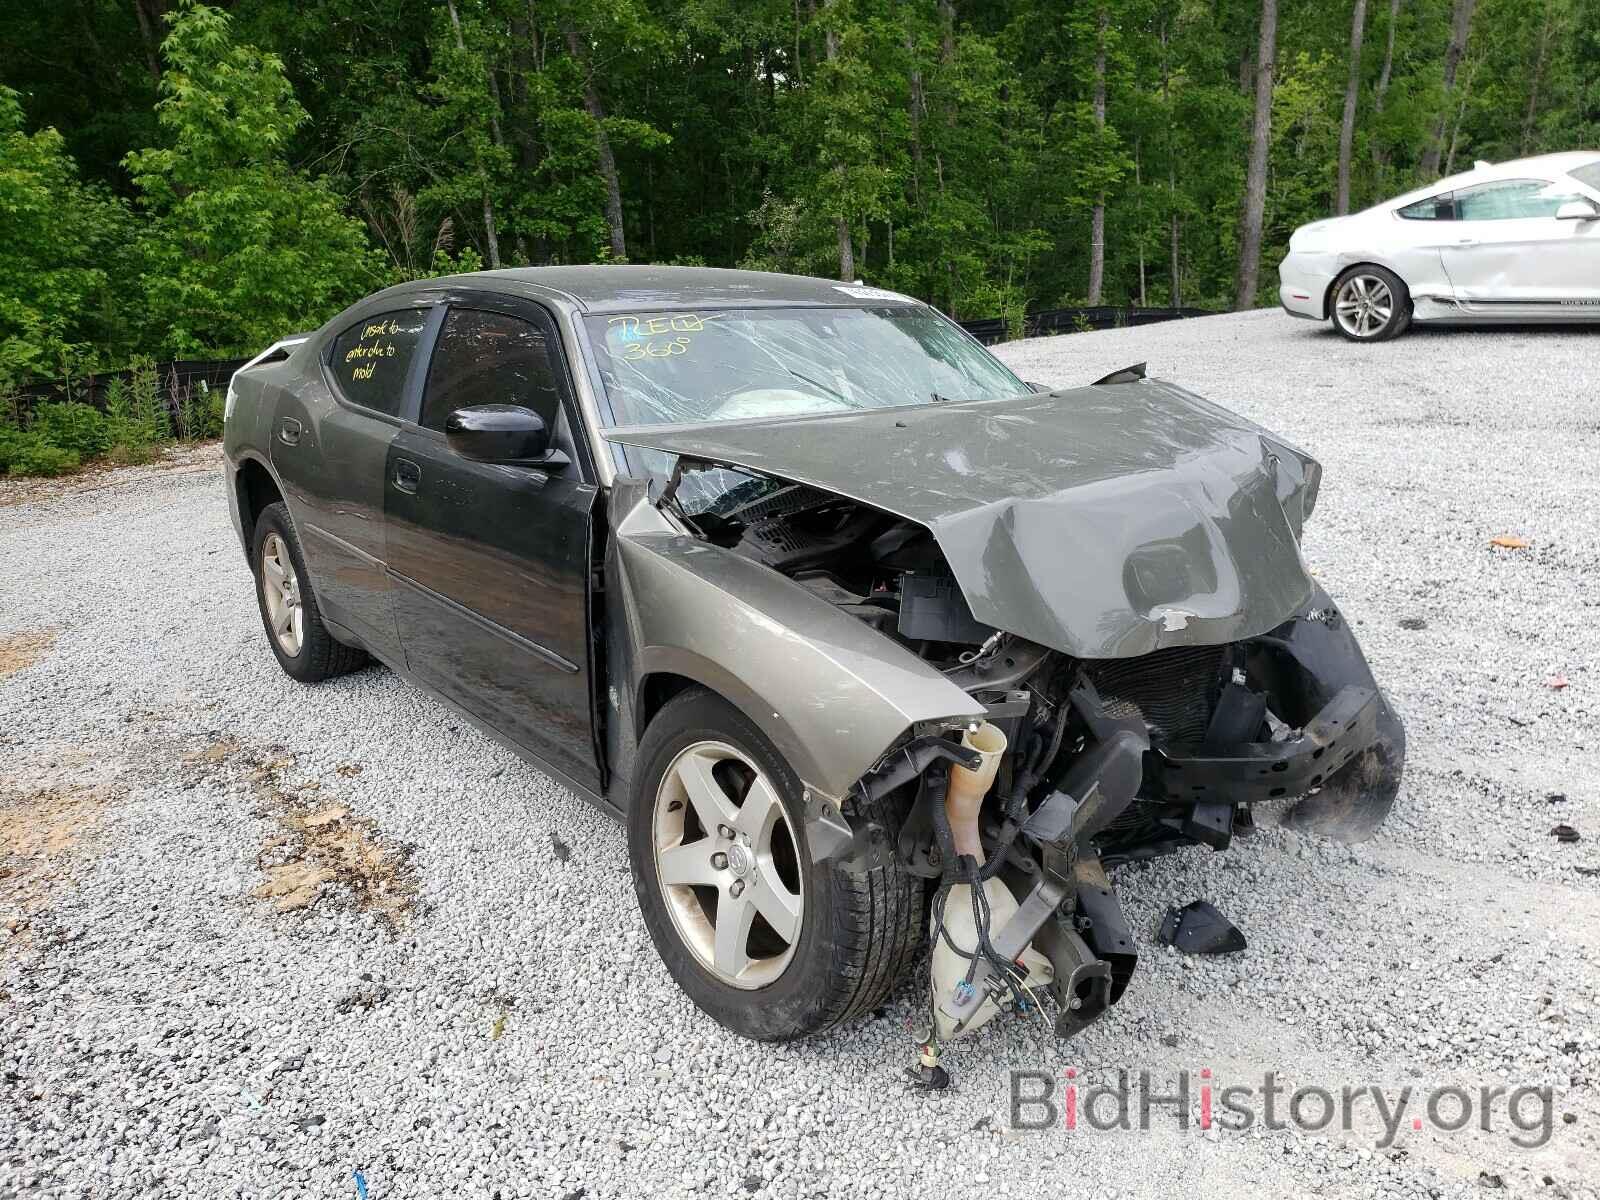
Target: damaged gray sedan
x,y
872,645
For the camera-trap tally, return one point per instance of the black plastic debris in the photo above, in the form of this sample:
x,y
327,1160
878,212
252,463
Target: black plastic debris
x,y
1198,928
1566,833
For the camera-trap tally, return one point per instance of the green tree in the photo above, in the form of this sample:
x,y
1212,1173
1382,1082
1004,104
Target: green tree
x,y
62,266
241,247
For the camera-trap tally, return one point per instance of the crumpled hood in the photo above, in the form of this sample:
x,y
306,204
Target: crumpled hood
x,y
1105,522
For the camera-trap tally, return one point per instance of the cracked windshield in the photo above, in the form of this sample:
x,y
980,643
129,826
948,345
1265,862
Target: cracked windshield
x,y
738,364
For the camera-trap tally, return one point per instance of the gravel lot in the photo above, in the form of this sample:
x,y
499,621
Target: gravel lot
x,y
482,1013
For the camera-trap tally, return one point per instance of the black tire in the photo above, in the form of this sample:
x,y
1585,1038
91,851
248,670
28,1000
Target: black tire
x,y
1399,318
321,655
860,927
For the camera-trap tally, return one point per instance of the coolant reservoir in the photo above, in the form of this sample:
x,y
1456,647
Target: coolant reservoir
x,y
950,969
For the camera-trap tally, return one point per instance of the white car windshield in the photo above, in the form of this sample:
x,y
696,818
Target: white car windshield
x,y
692,366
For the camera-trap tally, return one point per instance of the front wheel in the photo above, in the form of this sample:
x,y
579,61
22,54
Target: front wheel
x,y
767,942
1371,304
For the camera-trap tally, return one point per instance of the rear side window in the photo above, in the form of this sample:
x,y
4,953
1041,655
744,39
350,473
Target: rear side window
x,y
371,358
490,358
1434,208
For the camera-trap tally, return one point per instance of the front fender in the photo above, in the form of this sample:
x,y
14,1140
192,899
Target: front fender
x,y
829,691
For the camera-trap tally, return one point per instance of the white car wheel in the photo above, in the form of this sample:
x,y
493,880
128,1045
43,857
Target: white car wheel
x,y
1370,304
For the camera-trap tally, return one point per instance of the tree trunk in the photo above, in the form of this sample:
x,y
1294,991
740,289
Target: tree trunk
x,y
1175,289
1097,220
491,238
1460,29
1531,117
847,254
1388,59
1347,130
916,109
1461,116
602,144
1255,186
152,28
1139,226
1173,264
1380,153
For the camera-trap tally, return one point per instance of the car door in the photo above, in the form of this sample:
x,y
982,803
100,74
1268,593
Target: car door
x,y
330,448
491,562
1506,253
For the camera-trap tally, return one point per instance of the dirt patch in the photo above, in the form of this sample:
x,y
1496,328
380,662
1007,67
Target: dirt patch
x,y
20,651
321,843
38,833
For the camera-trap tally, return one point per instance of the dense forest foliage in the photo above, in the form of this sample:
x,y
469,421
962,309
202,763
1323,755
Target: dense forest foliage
x,y
185,180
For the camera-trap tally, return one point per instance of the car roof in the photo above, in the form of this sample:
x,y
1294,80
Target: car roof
x,y
1516,168
617,288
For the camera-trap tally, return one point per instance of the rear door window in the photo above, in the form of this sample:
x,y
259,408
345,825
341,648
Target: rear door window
x,y
491,358
371,360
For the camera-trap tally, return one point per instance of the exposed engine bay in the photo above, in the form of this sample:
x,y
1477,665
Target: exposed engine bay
x,y
1080,764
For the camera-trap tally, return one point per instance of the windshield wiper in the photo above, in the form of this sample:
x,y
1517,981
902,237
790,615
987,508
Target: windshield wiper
x,y
821,387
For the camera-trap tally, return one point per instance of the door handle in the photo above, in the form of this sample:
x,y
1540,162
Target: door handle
x,y
289,431
407,475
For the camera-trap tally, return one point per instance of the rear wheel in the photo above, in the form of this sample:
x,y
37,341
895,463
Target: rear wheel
x,y
769,943
300,641
1371,304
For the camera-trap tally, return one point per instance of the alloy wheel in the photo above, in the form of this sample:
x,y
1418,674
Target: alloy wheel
x,y
727,862
280,590
1364,306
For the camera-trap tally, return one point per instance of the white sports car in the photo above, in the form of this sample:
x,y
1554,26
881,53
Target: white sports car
x,y
1513,243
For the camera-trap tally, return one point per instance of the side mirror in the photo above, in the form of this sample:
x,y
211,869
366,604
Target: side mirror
x,y
502,433
1578,210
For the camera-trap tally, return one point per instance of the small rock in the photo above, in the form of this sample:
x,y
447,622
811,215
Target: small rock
x,y
1566,833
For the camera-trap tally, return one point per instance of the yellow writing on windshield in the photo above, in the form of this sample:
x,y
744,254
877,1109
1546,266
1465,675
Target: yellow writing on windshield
x,y
642,337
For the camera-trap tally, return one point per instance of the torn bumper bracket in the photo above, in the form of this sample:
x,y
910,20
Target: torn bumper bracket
x,y
1259,771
